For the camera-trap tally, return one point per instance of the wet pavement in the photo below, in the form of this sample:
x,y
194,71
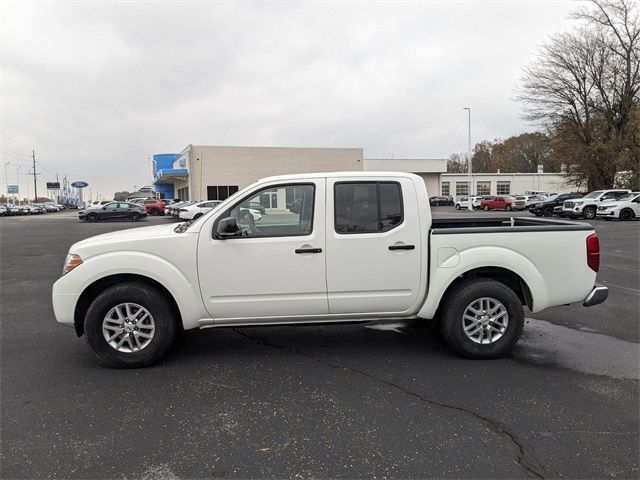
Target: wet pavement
x,y
358,400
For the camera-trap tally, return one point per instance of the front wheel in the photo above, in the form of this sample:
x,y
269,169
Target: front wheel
x,y
481,318
134,217
92,217
457,206
130,325
155,212
508,209
589,213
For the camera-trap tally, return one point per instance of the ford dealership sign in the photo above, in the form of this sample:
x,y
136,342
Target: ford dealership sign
x,y
79,184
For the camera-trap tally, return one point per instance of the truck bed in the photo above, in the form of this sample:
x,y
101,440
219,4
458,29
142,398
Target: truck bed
x,y
445,226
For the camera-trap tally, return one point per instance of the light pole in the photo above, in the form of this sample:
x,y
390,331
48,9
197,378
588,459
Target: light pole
x,y
469,201
6,180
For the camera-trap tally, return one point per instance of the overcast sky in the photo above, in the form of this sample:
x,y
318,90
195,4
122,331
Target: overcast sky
x,y
98,87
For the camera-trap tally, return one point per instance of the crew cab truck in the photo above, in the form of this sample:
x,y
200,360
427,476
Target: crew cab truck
x,y
360,246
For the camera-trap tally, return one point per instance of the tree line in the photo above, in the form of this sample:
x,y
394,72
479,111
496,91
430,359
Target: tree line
x,y
583,93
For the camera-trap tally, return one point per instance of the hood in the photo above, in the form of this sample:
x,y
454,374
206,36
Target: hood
x,y
125,238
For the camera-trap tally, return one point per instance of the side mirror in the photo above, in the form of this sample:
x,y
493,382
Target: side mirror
x,y
104,208
227,227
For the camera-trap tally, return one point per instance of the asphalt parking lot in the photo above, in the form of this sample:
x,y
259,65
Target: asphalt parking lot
x,y
353,401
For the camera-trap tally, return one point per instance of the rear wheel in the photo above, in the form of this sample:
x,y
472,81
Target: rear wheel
x,y
457,206
481,318
197,215
134,217
508,208
486,208
92,217
589,213
155,212
548,211
130,325
626,214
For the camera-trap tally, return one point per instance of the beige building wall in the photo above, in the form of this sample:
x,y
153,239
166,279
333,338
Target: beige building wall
x,y
518,182
241,166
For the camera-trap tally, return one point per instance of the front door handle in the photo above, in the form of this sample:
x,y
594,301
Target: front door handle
x,y
402,247
308,250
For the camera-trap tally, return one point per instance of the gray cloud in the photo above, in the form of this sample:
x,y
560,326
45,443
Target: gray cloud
x,y
97,87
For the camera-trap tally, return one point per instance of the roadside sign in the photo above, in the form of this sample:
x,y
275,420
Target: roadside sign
x,y
12,189
53,185
79,184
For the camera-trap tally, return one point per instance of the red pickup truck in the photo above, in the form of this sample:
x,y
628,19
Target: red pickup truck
x,y
501,202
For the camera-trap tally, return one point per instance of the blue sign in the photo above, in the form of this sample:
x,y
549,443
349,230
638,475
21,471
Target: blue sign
x,y
79,184
12,189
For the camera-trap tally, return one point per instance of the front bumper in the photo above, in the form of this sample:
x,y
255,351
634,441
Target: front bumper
x,y
598,294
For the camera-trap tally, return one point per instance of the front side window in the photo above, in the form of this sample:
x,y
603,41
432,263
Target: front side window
x,y
111,206
282,220
367,207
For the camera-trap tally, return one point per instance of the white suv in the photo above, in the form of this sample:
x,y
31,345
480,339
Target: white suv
x,y
587,206
624,208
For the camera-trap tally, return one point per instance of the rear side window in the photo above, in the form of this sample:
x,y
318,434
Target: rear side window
x,y
367,207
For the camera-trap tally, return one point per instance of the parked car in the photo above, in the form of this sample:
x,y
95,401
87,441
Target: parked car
x,y
624,208
196,210
36,209
114,211
257,206
463,202
154,207
547,207
523,202
499,202
3,211
359,249
587,206
175,211
441,201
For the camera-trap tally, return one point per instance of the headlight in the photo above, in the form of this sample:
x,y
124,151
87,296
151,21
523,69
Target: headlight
x,y
577,204
71,262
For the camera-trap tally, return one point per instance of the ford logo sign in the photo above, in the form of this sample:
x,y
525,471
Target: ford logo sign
x,y
79,184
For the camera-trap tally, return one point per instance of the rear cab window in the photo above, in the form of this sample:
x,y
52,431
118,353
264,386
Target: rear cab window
x,y
367,207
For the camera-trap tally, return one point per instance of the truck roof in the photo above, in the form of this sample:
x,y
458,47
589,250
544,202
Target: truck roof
x,y
362,174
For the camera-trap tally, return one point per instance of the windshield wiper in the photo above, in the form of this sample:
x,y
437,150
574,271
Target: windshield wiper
x,y
182,227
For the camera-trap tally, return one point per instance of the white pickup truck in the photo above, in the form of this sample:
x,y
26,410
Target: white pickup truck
x,y
357,246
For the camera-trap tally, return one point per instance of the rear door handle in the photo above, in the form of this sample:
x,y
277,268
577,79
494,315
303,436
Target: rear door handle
x,y
402,247
308,250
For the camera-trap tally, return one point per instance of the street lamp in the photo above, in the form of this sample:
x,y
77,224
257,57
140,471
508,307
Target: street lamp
x,y
469,201
6,180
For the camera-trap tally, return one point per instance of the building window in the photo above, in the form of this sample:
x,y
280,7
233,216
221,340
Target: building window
x,y
445,189
367,207
483,188
462,188
221,192
183,194
504,188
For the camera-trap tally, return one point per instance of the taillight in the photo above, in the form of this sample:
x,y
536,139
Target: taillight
x,y
593,252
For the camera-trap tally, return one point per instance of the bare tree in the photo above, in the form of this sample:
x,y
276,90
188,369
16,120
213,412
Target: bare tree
x,y
456,163
584,87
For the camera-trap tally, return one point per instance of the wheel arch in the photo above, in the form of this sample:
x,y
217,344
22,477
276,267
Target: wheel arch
x,y
100,285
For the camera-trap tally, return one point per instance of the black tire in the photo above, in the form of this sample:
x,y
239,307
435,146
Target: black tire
x,y
92,217
457,206
455,303
537,213
589,213
548,212
155,212
197,215
160,308
626,214
508,208
486,208
134,217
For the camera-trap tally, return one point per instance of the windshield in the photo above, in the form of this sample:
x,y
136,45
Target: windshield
x,y
595,194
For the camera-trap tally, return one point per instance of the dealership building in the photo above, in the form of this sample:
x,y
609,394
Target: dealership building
x,y
216,172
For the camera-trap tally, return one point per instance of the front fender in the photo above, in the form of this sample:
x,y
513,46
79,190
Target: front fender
x,y
473,258
184,291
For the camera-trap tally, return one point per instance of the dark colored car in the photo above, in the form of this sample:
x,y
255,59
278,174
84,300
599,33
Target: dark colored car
x,y
114,211
441,201
547,207
154,207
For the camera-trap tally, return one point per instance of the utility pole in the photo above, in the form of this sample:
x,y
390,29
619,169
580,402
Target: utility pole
x,y
6,180
469,201
35,182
